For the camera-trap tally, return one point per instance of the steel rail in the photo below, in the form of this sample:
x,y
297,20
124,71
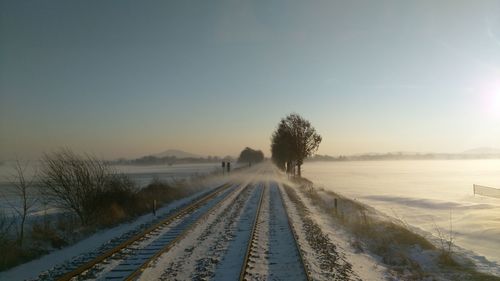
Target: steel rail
x,y
99,259
295,237
252,236
133,275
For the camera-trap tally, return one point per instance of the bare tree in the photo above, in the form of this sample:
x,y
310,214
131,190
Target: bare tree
x,y
294,140
71,181
22,199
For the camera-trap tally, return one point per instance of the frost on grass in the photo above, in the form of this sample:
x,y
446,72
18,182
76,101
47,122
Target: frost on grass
x,y
332,263
407,254
59,262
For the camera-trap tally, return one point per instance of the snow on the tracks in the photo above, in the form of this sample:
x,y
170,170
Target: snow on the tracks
x,y
142,251
215,246
182,261
229,268
284,259
223,229
259,267
60,261
348,261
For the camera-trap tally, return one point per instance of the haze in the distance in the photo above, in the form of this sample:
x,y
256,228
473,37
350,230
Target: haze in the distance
x,y
128,78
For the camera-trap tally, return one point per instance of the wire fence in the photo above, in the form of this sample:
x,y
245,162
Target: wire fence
x,y
486,191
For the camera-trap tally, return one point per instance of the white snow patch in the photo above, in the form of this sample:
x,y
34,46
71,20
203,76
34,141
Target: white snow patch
x,y
32,269
186,246
365,266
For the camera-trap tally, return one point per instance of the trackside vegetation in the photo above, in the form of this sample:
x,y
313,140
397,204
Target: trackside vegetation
x,y
251,156
88,194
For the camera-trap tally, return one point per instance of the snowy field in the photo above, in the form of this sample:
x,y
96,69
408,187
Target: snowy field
x,y
259,227
95,244
424,193
141,175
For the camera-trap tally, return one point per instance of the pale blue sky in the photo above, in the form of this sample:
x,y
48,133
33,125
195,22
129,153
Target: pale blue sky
x,y
128,78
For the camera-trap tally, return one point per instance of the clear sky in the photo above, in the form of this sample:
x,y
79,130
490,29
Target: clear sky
x,y
128,78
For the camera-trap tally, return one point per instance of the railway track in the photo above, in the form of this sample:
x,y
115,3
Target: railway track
x,y
283,257
273,234
130,257
229,268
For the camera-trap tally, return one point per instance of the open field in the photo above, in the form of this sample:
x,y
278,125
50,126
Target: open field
x,y
255,224
423,193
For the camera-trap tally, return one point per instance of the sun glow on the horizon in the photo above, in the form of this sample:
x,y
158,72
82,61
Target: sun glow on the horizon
x,y
490,98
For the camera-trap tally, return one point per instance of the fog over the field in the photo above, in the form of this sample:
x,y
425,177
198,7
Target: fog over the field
x,y
424,194
127,78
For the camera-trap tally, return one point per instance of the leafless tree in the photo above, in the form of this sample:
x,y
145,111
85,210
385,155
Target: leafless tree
x,y
71,181
22,198
294,140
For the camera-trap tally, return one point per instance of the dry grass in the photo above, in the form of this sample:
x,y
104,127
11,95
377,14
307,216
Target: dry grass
x,y
119,203
11,251
391,239
332,263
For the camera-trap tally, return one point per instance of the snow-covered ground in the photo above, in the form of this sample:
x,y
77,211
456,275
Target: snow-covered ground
x,y
215,249
284,258
274,254
232,261
425,194
59,260
294,236
182,261
141,251
143,174
259,266
340,260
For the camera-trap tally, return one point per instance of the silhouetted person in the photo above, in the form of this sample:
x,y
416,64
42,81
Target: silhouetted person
x,y
228,167
223,166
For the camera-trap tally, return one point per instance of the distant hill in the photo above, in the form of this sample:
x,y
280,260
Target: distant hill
x,y
176,153
170,157
483,151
